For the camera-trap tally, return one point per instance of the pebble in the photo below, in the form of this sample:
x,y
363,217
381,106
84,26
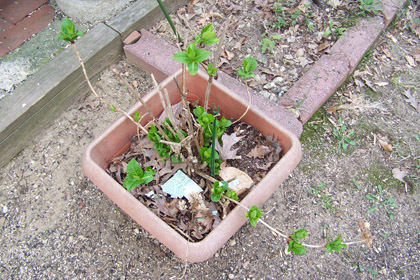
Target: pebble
x,y
270,85
278,80
265,94
273,97
291,39
231,276
71,238
261,58
232,243
300,52
2,220
288,56
282,69
4,209
136,230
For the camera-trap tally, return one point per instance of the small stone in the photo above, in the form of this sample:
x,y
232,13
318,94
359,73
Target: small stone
x,y
136,230
198,10
265,94
300,52
4,209
216,255
261,58
231,276
2,220
232,243
278,80
288,56
282,69
279,92
270,85
291,39
273,97
71,238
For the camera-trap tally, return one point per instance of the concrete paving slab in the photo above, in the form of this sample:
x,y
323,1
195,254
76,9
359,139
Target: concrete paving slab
x,y
142,14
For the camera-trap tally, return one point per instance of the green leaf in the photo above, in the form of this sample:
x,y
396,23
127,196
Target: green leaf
x,y
198,111
232,194
136,116
249,65
68,31
207,36
148,175
192,67
254,214
296,248
134,175
182,57
219,187
112,107
299,234
212,70
201,55
336,245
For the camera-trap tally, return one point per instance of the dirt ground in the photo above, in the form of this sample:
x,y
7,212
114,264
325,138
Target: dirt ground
x,y
55,224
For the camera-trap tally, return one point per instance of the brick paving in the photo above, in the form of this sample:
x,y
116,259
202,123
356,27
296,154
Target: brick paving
x,y
20,19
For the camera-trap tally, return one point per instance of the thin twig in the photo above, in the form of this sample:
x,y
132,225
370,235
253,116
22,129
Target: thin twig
x,y
249,103
98,96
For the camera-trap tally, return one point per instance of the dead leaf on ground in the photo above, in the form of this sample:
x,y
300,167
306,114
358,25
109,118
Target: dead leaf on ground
x,y
259,151
399,174
225,151
366,235
240,43
410,60
229,55
411,99
386,146
238,180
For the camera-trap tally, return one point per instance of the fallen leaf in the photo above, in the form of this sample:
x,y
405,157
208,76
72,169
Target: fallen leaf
x,y
238,180
388,54
399,174
411,99
324,46
240,43
366,235
229,55
410,60
387,147
225,151
259,151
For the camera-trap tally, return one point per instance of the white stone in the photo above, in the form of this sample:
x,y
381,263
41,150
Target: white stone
x,y
278,80
300,52
270,85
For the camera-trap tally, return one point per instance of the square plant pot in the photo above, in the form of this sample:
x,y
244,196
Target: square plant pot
x,y
116,141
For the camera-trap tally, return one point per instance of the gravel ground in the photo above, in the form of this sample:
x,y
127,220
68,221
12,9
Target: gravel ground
x,y
54,223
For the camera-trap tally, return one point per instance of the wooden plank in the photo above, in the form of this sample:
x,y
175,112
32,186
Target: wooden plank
x,y
142,14
52,89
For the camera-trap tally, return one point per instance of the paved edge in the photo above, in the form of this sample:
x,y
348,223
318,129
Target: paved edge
x,y
43,96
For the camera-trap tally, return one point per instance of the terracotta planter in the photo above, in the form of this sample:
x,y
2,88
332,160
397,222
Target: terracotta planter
x,y
116,140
